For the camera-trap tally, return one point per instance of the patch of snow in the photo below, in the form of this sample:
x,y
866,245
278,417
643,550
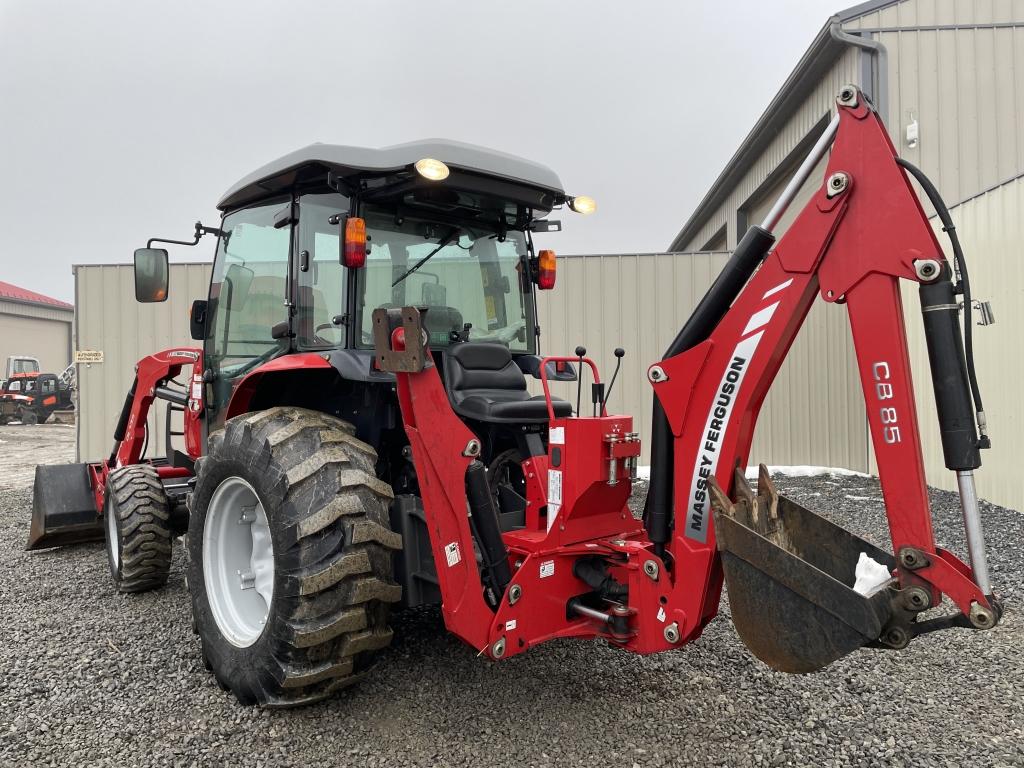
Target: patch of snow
x,y
807,471
644,473
863,498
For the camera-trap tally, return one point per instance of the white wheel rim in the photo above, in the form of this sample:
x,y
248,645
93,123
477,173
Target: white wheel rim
x,y
238,562
115,553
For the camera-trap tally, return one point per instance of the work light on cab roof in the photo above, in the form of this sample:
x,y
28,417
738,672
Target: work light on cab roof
x,y
583,204
431,169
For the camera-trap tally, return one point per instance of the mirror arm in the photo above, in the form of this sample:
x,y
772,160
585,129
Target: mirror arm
x,y
200,231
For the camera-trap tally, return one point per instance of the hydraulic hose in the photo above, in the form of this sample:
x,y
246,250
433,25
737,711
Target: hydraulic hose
x,y
965,288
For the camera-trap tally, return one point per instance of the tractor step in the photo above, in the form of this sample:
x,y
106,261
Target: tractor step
x,y
790,575
63,507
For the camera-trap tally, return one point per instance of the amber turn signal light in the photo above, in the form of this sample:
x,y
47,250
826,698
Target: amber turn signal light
x,y
353,254
546,270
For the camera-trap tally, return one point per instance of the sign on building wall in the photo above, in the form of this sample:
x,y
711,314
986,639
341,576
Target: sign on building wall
x,y
88,355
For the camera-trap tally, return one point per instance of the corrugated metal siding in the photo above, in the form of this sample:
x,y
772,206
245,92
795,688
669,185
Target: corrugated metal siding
x,y
814,413
36,310
47,340
919,13
965,88
109,319
819,104
990,228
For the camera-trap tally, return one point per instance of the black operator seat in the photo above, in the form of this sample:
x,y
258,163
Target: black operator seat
x,y
484,383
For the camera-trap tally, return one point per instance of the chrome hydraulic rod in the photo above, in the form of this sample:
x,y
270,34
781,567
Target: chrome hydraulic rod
x,y
591,613
972,526
821,146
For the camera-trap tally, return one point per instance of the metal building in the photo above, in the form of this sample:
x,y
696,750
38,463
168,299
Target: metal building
x,y
109,320
947,76
34,325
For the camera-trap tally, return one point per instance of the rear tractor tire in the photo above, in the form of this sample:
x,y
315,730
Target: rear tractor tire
x,y
137,529
290,557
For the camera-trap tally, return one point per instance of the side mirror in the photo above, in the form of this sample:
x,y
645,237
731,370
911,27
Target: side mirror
x,y
197,319
237,282
151,275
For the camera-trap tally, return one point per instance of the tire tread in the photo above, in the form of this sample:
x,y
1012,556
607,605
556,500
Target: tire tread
x,y
335,579
143,517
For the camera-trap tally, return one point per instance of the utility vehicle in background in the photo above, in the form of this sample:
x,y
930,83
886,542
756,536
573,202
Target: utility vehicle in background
x,y
31,398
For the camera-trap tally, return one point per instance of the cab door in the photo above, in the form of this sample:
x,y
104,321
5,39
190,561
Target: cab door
x,y
46,395
249,313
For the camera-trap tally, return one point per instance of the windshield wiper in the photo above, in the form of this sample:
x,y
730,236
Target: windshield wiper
x,y
447,239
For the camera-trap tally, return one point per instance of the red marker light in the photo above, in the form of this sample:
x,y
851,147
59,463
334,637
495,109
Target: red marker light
x,y
354,255
546,270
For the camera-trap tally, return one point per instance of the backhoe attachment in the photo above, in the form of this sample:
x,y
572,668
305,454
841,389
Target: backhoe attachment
x,y
790,576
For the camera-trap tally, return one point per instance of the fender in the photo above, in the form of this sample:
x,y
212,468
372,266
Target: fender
x,y
243,393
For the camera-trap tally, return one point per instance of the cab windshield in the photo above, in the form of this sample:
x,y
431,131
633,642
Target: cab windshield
x,y
470,280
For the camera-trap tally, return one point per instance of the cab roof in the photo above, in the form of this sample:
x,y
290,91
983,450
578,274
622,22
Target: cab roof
x,y
346,161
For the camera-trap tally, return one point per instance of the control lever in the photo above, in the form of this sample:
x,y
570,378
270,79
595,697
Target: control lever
x,y
619,354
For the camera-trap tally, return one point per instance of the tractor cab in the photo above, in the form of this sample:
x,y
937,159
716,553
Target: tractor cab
x,y
311,244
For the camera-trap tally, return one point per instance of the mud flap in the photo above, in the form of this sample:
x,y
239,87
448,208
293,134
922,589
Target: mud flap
x,y
790,576
63,507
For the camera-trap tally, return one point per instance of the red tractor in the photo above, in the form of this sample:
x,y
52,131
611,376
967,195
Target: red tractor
x,y
360,437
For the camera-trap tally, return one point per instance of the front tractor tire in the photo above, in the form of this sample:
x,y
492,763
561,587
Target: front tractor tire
x,y
290,557
29,417
137,528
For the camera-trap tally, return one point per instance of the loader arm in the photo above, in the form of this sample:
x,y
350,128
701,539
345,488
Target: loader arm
x,y
68,500
583,567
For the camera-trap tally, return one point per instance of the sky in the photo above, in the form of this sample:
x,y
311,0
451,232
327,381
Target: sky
x,y
122,120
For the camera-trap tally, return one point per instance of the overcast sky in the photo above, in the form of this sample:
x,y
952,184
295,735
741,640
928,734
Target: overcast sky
x,y
125,120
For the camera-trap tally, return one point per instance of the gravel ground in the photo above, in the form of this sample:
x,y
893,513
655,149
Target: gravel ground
x,y
22,448
96,678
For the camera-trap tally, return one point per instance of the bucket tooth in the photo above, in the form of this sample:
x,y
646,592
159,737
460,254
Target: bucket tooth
x,y
767,492
790,575
741,488
720,501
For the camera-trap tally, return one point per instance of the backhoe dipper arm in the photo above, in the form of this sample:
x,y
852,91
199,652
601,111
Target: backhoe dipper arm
x,y
863,231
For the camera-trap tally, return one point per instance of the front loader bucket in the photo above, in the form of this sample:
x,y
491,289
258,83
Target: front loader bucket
x,y
790,577
63,507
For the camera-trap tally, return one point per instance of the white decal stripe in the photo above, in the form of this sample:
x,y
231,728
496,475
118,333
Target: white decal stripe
x,y
698,507
760,319
777,288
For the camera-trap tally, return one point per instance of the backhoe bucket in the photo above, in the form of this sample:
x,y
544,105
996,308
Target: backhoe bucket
x,y
790,577
63,507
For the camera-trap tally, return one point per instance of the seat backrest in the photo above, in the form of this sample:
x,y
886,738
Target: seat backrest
x,y
475,365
